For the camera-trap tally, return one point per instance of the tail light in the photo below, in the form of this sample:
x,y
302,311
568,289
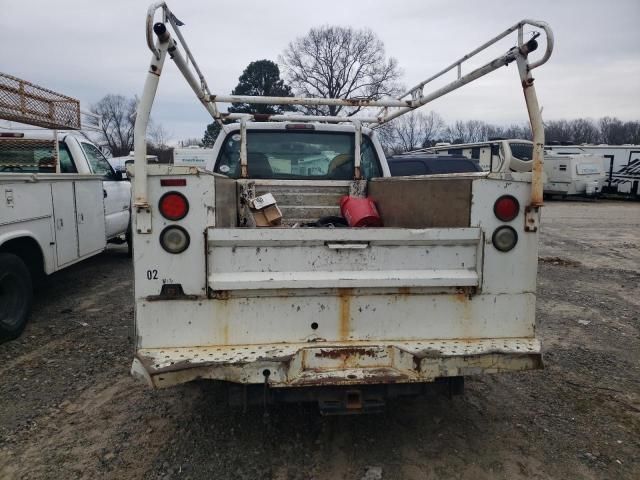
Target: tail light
x,y
504,238
506,208
173,206
174,239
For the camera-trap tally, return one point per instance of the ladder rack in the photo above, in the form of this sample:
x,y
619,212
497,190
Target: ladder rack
x,y
25,102
161,42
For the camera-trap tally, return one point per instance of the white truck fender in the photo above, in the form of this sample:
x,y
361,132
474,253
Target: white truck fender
x,y
45,250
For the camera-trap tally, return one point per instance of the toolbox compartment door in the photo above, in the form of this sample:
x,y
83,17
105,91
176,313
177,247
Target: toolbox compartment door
x,y
318,258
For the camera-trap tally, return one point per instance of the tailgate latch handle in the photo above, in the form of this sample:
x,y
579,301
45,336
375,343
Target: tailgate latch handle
x,y
346,246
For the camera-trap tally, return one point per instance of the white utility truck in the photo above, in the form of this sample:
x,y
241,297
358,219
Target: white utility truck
x,y
566,175
305,308
60,201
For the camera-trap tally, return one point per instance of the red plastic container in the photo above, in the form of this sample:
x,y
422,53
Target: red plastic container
x,y
360,212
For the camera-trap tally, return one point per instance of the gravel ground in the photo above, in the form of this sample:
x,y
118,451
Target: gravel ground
x,y
68,408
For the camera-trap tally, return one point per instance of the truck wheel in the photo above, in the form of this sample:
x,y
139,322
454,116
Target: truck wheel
x,y
16,295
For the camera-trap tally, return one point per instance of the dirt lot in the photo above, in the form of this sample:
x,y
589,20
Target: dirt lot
x,y
68,408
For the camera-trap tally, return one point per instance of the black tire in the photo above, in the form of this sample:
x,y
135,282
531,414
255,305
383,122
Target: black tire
x,y
16,296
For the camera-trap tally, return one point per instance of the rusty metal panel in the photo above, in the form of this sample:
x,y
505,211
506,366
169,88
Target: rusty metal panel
x,y
300,364
24,102
334,315
226,203
422,202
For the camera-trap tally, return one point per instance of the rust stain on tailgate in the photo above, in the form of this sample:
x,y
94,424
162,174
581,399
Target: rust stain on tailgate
x,y
346,352
345,313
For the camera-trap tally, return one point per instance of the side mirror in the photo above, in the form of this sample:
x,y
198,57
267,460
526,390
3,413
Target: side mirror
x,y
121,175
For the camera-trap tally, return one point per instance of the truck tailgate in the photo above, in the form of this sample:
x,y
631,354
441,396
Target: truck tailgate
x,y
321,258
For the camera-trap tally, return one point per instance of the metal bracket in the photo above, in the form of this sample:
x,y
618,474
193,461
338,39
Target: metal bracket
x,y
8,196
143,219
531,218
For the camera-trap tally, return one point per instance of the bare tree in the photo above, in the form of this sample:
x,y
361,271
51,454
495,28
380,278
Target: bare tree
x,y
632,132
158,136
433,126
118,118
612,131
118,115
410,132
467,132
340,62
191,142
584,131
558,131
513,131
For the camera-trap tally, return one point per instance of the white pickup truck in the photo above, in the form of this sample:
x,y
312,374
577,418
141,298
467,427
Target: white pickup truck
x,y
306,309
52,214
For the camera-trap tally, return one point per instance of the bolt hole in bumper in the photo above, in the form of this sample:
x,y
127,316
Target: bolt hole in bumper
x,y
337,363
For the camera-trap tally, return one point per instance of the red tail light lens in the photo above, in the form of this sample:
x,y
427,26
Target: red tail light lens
x,y
173,206
506,208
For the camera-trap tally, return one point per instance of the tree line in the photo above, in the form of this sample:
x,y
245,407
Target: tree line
x,y
419,130
343,62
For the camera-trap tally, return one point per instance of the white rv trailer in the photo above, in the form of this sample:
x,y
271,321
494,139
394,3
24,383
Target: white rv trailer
x,y
622,165
576,174
343,316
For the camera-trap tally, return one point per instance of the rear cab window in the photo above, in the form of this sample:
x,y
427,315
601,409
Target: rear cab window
x,y
34,156
297,155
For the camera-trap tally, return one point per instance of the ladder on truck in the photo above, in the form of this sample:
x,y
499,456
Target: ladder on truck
x,y
161,42
29,104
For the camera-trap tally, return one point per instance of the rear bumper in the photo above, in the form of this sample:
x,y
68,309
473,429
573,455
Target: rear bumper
x,y
337,363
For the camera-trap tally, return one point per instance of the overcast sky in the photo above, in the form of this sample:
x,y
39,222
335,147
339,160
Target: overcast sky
x,y
88,48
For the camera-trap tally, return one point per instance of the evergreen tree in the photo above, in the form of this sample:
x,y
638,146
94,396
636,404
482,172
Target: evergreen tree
x,y
210,134
261,78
